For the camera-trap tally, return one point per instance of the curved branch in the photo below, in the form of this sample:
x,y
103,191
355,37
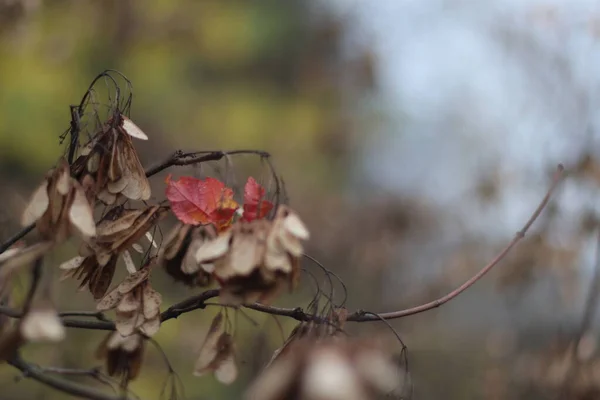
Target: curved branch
x,y
74,389
362,316
198,301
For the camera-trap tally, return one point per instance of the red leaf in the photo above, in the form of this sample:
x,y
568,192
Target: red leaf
x,y
255,205
201,201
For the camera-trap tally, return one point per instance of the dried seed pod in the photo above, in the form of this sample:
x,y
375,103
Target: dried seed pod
x,y
116,233
136,304
333,368
123,355
253,261
178,254
60,206
110,158
42,323
217,354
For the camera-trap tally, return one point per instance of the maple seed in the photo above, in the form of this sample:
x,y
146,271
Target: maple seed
x,y
42,324
217,354
136,304
254,260
123,355
117,232
333,368
60,206
111,161
179,250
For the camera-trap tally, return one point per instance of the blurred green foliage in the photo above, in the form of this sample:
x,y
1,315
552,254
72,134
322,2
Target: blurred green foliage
x,y
206,75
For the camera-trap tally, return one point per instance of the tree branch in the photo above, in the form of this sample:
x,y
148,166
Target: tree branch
x,y
178,158
74,389
362,316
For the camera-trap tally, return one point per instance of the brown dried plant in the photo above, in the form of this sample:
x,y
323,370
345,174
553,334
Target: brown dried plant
x,y
251,253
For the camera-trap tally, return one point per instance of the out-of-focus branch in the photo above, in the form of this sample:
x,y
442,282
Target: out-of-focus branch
x,y
198,301
38,373
180,158
361,316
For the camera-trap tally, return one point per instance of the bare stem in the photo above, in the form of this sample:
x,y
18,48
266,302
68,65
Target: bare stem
x,y
38,373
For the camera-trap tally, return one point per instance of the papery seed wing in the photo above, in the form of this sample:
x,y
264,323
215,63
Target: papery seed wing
x,y
152,301
132,129
102,280
151,326
209,350
130,301
213,249
294,225
129,265
226,371
110,301
126,323
108,228
37,206
81,214
134,280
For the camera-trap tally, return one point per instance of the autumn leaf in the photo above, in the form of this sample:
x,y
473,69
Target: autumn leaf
x,y
201,201
255,205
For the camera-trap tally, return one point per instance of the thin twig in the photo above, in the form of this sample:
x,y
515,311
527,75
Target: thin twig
x,y
37,373
36,275
361,316
178,158
589,310
14,239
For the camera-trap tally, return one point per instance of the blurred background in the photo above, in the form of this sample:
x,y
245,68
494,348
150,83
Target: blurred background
x,y
415,138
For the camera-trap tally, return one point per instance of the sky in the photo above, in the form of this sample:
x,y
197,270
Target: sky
x,y
504,88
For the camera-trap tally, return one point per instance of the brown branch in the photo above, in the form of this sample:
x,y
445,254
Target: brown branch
x,y
74,389
198,301
362,316
15,238
178,158
102,323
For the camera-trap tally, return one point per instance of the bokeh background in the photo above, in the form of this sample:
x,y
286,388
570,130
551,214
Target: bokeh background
x,y
415,138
